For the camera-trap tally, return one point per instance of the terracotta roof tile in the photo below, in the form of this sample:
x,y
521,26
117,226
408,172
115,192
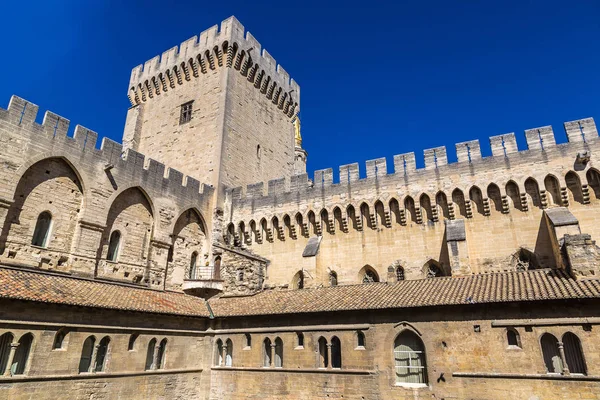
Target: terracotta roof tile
x,y
544,284
35,286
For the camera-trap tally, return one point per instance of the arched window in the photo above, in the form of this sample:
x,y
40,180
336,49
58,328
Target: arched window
x,y
278,353
113,246
333,279
101,353
85,362
574,354
150,354
248,340
409,355
229,353
336,353
525,260
298,282
323,355
59,339
132,340
160,357
554,364
369,275
22,354
219,353
360,339
193,265
42,230
5,341
300,337
267,352
433,269
399,273
512,337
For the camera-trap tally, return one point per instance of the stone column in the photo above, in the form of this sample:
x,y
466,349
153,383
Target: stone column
x,y
224,358
11,356
329,359
155,357
561,352
86,246
158,262
458,251
273,352
92,367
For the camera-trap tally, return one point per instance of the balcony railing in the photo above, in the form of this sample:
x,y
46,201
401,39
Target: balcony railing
x,y
207,273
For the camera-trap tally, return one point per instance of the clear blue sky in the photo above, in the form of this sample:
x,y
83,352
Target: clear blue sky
x,y
377,78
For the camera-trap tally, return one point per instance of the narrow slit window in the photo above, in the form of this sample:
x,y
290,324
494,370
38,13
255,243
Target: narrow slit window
x,y
113,246
186,112
42,230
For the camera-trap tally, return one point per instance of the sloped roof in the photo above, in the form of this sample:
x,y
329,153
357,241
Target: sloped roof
x,y
21,284
536,285
544,284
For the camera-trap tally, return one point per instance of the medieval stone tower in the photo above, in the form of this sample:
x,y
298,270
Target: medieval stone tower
x,y
217,108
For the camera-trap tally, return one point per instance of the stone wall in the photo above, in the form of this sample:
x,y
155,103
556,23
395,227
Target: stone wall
x,y
52,373
398,218
466,347
242,273
90,193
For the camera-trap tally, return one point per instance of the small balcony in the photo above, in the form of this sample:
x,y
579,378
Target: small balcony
x,y
203,282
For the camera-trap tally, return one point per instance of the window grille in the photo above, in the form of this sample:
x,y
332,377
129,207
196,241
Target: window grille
x,y
409,355
186,112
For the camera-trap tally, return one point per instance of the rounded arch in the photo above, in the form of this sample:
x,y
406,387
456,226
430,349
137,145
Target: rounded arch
x,y
130,213
5,341
228,353
574,354
298,281
433,269
550,352
45,184
336,352
368,274
323,353
333,278
524,259
410,359
21,357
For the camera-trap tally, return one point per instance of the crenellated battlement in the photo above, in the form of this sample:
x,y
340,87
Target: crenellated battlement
x,y
541,144
231,47
129,164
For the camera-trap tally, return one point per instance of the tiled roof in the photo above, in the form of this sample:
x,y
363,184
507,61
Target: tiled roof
x,y
502,287
35,286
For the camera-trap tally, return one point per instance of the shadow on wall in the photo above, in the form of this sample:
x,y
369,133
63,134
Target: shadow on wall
x,y
543,245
